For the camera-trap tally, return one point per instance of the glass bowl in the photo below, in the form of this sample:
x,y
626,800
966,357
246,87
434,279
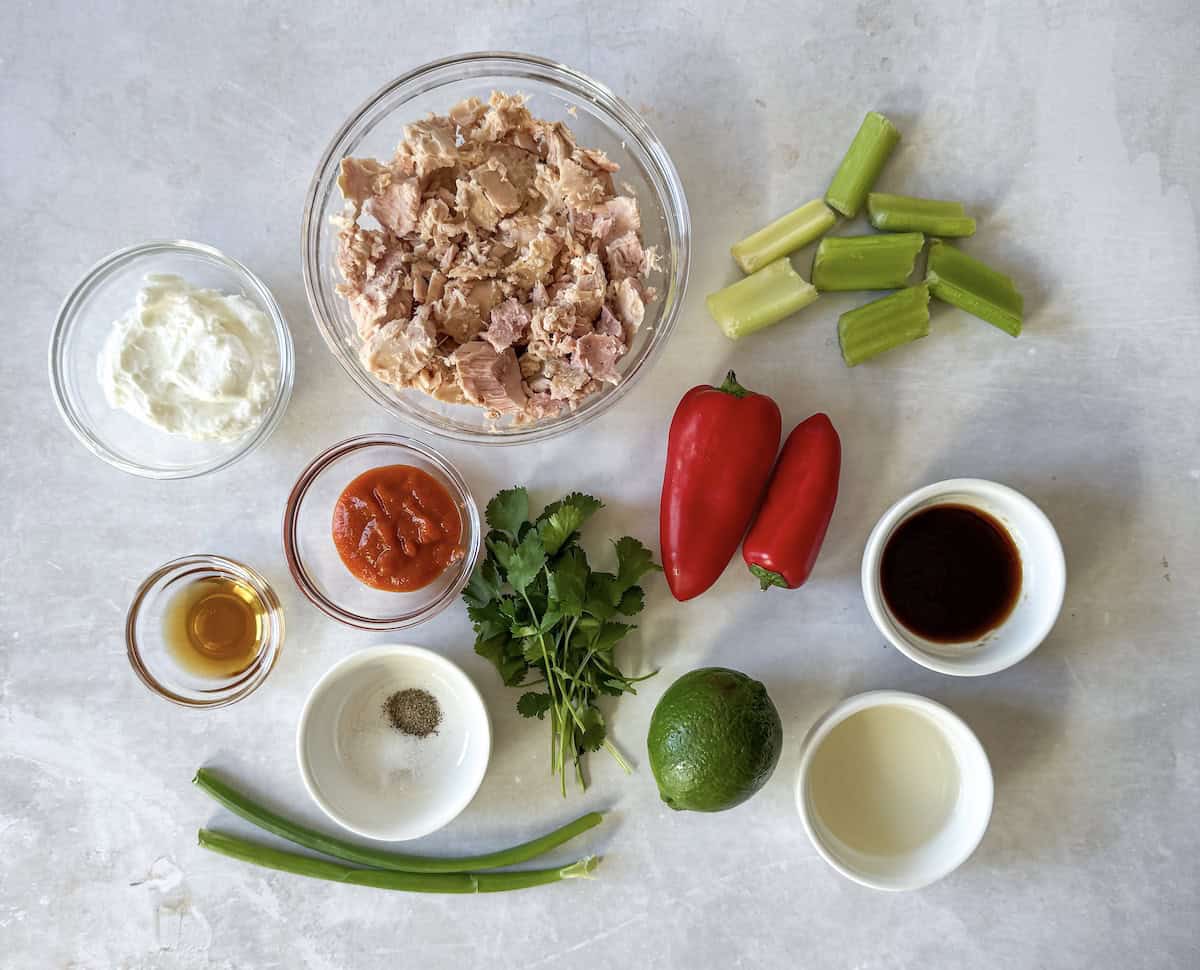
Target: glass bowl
x,y
107,292
600,120
153,661
313,558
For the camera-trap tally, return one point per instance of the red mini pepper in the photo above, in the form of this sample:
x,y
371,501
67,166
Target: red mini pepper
x,y
786,537
719,454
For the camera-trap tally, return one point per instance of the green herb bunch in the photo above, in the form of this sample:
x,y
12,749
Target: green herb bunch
x,y
540,611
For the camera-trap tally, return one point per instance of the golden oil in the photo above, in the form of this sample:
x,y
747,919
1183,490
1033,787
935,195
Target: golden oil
x,y
214,627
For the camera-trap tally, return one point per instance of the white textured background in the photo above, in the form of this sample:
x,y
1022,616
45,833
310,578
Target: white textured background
x,y
1071,128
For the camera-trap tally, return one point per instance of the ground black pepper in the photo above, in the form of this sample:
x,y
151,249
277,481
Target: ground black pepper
x,y
413,711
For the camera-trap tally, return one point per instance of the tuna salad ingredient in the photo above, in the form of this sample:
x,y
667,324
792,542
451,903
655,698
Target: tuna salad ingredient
x,y
904,213
506,270
894,320
720,450
864,161
539,609
192,362
761,299
783,236
368,855
882,262
965,282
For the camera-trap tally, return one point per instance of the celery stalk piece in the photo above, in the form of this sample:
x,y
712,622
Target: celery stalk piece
x,y
783,236
866,262
957,278
863,162
904,213
884,324
761,299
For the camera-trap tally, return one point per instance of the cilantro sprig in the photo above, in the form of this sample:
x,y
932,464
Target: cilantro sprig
x,y
547,621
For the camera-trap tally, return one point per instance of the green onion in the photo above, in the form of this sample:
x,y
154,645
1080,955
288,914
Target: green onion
x,y
866,262
761,299
785,235
904,213
265,819
956,278
863,162
413,882
884,324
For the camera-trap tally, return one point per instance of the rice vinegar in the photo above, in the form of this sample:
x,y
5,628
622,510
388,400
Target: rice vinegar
x,y
884,781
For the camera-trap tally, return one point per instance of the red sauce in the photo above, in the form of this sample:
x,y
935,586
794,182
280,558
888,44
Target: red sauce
x,y
397,528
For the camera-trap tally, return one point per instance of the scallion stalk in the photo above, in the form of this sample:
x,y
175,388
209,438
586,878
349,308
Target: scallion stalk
x,y
761,299
956,278
884,324
904,213
783,236
413,882
269,821
863,162
866,262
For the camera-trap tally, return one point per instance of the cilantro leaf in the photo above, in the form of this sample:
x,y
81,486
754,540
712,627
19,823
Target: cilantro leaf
x,y
602,595
591,737
508,510
526,562
487,620
633,601
568,581
531,650
491,647
560,520
500,548
484,585
513,671
610,634
534,704
634,560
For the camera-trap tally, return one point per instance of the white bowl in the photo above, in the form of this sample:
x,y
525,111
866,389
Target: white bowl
x,y
946,847
370,778
1043,579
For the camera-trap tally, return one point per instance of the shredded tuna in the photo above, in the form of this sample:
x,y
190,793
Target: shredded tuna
x,y
598,354
489,379
399,350
507,272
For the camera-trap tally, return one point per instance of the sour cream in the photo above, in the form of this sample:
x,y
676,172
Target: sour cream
x,y
192,362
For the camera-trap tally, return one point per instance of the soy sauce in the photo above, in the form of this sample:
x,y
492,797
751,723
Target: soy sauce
x,y
950,573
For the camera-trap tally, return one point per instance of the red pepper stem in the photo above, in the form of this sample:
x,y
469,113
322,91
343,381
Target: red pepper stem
x,y
731,386
767,578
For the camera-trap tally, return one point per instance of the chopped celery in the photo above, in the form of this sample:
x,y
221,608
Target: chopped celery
x,y
863,162
957,278
866,262
884,324
761,299
785,235
904,213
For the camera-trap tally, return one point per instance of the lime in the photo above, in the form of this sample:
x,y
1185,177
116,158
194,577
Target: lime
x,y
714,740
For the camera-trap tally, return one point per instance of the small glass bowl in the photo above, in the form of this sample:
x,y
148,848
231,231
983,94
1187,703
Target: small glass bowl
x,y
315,563
106,293
599,119
152,660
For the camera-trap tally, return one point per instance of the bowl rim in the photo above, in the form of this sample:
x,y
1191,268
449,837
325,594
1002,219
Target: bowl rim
x,y
476,708
295,561
69,315
249,681
978,488
635,127
855,704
